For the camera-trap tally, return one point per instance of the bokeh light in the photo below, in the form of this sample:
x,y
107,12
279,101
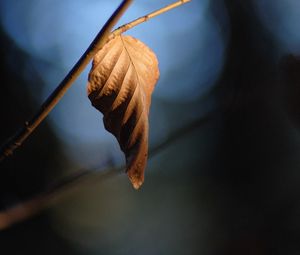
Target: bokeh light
x,y
282,19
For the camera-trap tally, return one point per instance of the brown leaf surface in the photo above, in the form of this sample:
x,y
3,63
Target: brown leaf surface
x,y
120,84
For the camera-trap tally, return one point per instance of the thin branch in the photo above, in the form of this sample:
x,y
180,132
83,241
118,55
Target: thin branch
x,y
103,36
57,192
145,18
29,126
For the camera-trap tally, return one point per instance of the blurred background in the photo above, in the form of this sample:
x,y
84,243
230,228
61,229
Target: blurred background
x,y
228,184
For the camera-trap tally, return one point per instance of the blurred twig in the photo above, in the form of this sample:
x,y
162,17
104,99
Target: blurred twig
x,y
71,183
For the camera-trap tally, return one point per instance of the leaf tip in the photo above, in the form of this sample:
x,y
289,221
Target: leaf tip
x,y
136,185
136,180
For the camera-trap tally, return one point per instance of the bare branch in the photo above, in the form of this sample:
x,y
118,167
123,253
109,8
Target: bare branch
x,y
16,141
103,36
145,18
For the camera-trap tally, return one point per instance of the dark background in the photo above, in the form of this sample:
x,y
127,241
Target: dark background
x,y
230,186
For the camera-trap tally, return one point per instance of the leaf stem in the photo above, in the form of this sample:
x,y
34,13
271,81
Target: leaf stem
x,y
145,18
16,141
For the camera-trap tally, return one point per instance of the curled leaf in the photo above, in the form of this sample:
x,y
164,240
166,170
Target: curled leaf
x,y
120,84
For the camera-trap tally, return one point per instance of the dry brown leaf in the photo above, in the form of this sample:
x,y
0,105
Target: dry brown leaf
x,y
120,84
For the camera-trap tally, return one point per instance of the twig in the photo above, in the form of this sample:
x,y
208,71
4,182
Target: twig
x,y
145,18
29,126
27,209
104,35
